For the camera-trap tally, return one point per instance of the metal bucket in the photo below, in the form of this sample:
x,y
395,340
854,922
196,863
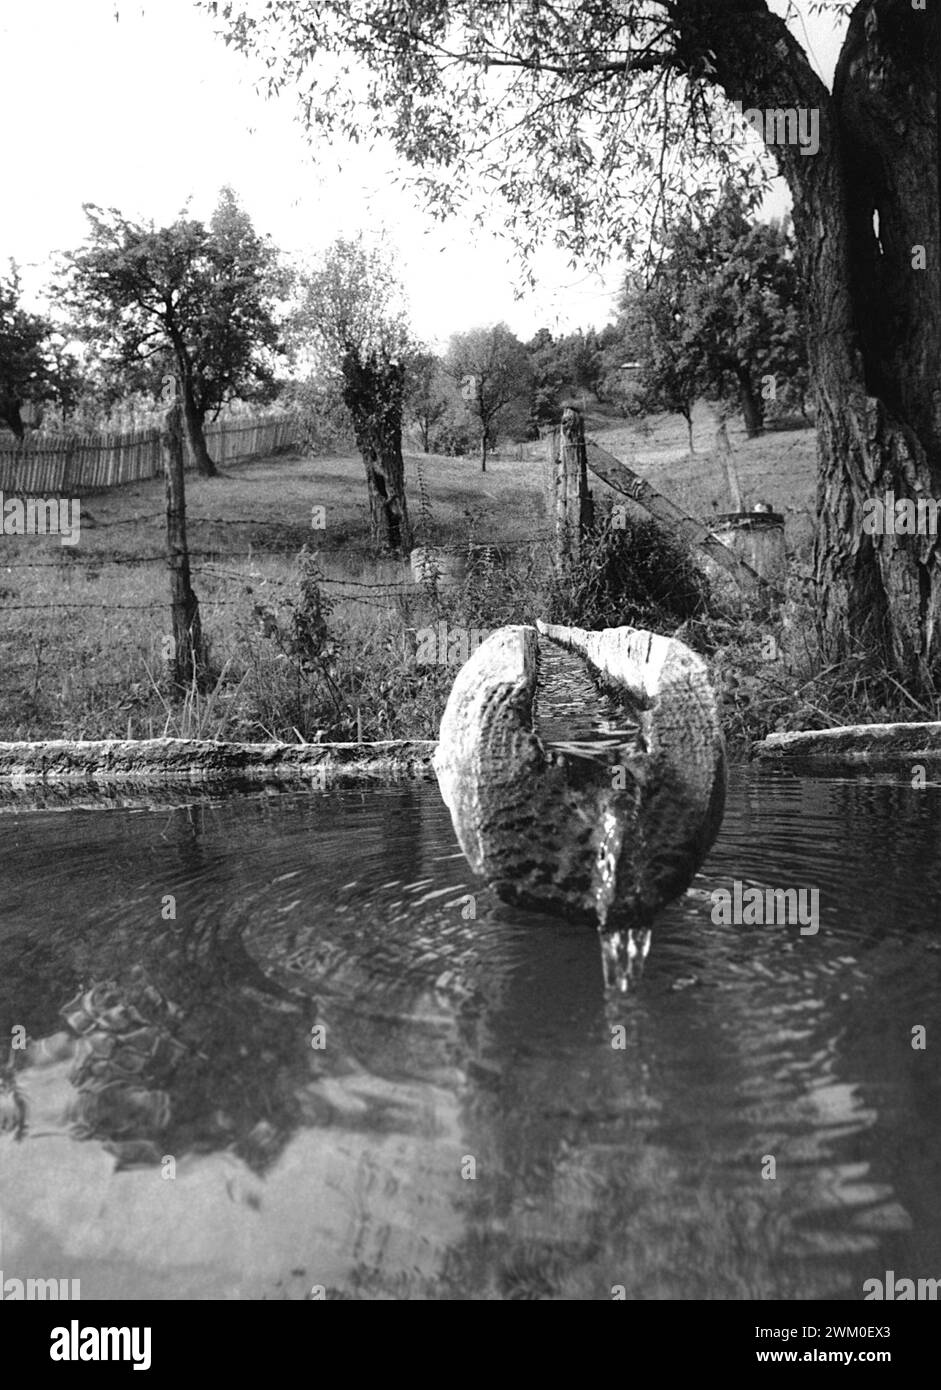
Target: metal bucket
x,y
755,537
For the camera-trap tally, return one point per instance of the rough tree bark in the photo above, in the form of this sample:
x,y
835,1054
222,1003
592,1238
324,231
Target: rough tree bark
x,y
189,656
874,298
195,419
688,417
193,415
11,416
753,412
575,512
372,391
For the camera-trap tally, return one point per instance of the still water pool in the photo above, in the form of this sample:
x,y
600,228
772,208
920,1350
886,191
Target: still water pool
x,y
334,1069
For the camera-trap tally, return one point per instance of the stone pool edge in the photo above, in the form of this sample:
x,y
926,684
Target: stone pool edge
x,y
66,764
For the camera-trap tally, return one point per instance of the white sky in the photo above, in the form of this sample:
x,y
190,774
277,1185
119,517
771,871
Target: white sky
x,y
150,110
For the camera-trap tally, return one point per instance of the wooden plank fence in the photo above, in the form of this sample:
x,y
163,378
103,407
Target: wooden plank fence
x,y
81,462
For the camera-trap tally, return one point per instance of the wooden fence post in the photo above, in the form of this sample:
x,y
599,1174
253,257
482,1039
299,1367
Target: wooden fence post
x,y
188,662
551,471
574,508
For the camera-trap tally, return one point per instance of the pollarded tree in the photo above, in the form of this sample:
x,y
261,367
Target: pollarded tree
x,y
203,300
573,112
352,316
492,368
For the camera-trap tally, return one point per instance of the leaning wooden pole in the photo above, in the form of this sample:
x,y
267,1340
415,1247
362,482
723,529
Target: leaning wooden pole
x,y
623,479
188,658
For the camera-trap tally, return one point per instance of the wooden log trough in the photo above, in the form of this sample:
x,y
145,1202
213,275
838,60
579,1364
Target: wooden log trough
x,y
61,771
610,843
854,747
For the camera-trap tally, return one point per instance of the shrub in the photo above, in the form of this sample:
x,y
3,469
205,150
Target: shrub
x,y
636,575
452,438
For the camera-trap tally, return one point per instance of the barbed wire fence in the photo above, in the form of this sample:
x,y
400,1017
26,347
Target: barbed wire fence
x,y
206,562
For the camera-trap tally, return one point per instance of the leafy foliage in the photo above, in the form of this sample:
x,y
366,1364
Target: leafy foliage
x,y
193,302
722,316
325,420
352,302
352,322
572,115
492,368
34,367
428,394
454,436
637,575
572,364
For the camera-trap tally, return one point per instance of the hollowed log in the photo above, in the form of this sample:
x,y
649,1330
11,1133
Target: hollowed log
x,y
611,838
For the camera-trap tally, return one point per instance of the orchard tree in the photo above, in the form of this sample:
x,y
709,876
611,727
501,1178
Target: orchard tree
x,y
573,114
492,369
428,394
721,316
564,366
199,302
27,358
733,287
671,366
548,382
352,317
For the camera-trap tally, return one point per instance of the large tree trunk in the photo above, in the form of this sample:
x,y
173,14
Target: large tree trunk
x,y
195,420
752,406
11,417
372,391
875,313
193,414
879,415
189,654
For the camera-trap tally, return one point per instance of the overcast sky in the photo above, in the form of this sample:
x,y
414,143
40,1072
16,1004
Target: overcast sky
x,y
150,109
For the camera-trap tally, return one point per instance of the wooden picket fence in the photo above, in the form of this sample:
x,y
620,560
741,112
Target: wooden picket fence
x,y
80,462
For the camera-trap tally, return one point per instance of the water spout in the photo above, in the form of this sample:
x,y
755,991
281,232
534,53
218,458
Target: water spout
x,y
623,952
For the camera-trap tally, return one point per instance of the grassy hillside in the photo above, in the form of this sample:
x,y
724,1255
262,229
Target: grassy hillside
x,y
83,629
778,467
